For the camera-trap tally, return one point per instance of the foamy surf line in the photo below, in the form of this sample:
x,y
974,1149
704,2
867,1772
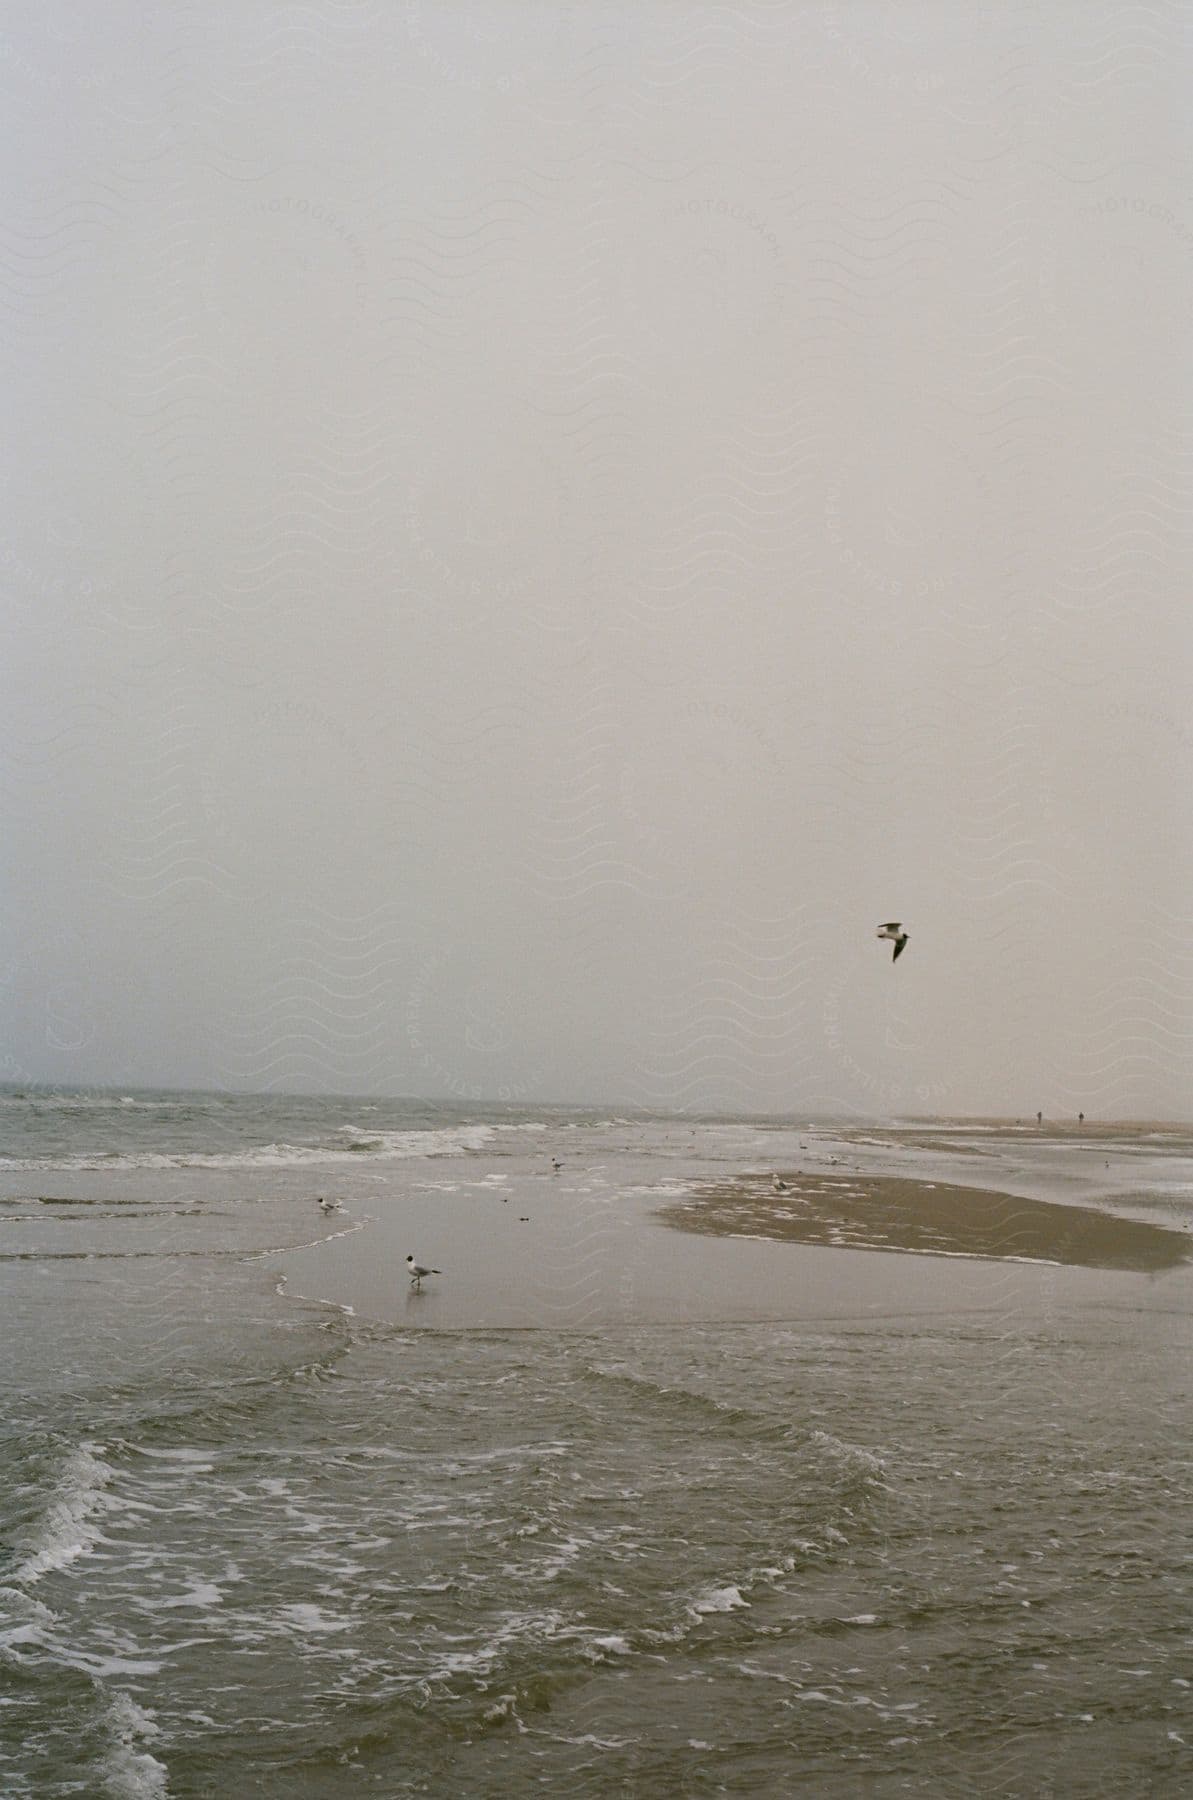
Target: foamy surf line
x,y
69,1526
384,1146
130,1771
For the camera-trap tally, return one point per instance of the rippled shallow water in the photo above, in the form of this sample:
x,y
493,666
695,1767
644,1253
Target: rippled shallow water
x,y
255,1544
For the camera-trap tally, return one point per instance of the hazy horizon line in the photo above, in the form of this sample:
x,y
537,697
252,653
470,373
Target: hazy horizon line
x,y
524,1104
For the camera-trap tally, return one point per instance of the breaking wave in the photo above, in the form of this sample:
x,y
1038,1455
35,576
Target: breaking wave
x,y
386,1146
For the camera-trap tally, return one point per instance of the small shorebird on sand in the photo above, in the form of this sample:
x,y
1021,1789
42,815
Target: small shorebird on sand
x,y
417,1272
897,935
780,1187
329,1206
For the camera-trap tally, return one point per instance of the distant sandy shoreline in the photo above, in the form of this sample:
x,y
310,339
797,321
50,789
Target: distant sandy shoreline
x,y
1069,1126
866,1212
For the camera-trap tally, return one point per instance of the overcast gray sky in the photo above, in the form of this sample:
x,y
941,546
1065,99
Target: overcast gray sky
x,y
531,529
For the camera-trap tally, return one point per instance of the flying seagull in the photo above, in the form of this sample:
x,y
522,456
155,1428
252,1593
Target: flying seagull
x,y
417,1272
897,935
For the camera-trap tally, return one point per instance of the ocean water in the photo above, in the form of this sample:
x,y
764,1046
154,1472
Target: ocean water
x,y
271,1525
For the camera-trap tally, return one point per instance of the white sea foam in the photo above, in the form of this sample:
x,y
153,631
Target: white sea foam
x,y
130,1772
565,1554
186,1456
69,1526
851,1456
515,1628
718,1600
31,1622
387,1146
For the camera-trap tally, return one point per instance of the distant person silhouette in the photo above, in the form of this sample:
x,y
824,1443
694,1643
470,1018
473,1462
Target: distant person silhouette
x,y
1039,1118
1081,1118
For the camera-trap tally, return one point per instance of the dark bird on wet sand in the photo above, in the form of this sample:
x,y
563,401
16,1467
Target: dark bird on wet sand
x,y
897,935
417,1272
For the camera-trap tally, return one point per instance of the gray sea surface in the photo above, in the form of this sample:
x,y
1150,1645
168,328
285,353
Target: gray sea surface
x,y
606,1508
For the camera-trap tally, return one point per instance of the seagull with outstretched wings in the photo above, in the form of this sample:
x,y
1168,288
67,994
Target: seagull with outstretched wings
x,y
897,935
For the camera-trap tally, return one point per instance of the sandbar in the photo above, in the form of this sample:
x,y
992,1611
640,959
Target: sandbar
x,y
866,1212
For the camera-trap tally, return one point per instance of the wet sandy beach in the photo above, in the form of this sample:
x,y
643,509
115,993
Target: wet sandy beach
x,y
929,1218
934,1217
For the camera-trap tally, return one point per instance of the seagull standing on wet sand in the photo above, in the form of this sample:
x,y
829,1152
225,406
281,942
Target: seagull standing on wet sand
x,y
330,1206
780,1187
417,1272
897,935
